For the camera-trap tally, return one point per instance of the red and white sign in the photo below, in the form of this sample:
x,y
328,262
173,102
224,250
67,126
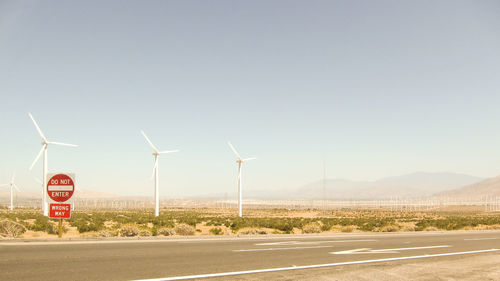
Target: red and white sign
x,y
60,187
60,211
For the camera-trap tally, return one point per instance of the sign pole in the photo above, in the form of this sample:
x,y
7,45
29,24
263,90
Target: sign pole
x,y
60,228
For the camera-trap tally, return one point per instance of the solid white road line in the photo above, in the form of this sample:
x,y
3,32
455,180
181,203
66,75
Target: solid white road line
x,y
312,242
312,266
278,249
384,251
412,248
56,243
477,239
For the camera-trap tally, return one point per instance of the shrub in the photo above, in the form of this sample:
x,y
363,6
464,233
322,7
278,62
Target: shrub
x,y
389,228
431,228
88,222
408,228
11,229
108,233
347,228
166,231
253,231
312,227
43,224
144,233
184,229
129,231
326,227
283,224
216,231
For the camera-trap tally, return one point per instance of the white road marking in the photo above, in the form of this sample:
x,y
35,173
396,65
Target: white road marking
x,y
114,241
311,242
384,251
56,243
476,239
313,266
278,249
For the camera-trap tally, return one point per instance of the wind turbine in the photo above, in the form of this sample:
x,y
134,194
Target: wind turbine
x,y
12,186
240,161
43,151
156,154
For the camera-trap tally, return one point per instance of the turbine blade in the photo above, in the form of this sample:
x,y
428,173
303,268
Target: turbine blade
x,y
149,141
15,186
38,180
5,184
234,150
168,151
38,156
13,177
37,128
62,144
248,159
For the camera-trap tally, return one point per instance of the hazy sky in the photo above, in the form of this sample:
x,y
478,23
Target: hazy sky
x,y
377,88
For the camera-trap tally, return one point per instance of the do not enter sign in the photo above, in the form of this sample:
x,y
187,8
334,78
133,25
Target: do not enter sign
x,y
60,187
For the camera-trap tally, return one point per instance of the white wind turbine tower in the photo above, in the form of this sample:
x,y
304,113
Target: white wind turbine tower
x,y
240,161
12,185
156,154
45,143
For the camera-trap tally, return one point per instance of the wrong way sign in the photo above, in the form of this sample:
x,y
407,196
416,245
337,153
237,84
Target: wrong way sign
x,y
60,189
60,211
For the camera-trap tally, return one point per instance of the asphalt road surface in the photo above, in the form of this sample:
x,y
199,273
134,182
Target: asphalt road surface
x,y
230,258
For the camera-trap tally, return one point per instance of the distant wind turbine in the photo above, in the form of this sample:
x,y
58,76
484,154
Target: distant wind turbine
x,y
240,161
45,143
12,185
156,154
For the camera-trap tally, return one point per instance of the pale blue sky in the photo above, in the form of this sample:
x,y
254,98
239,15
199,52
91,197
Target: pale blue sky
x,y
378,88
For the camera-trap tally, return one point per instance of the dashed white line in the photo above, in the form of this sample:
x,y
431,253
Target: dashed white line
x,y
313,266
384,251
312,242
477,239
279,249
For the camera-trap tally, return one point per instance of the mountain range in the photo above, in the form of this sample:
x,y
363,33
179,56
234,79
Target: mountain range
x,y
420,184
487,187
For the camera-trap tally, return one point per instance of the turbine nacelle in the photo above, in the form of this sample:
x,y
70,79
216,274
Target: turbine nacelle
x,y
238,157
158,153
244,160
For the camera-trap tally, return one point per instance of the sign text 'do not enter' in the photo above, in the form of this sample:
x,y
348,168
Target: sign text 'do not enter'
x,y
60,187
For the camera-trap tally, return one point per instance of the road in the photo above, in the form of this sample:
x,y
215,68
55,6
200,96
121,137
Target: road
x,y
182,258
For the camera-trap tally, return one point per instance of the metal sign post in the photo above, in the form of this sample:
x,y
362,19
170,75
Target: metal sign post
x,y
60,232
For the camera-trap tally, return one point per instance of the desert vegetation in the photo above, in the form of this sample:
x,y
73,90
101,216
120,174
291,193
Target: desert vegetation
x,y
186,222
